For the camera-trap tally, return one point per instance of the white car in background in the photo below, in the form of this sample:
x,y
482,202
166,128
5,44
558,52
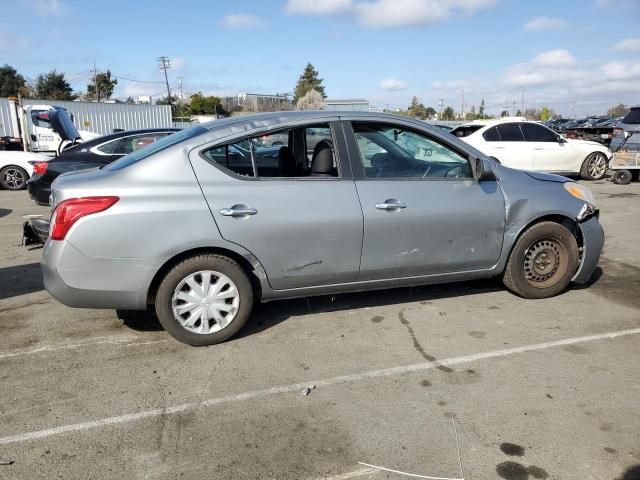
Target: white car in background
x,y
518,143
16,167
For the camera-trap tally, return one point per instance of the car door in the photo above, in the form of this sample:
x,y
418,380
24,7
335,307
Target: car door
x,y
424,212
551,153
512,150
304,228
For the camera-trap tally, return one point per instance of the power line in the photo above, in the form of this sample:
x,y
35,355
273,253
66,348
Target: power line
x,y
133,80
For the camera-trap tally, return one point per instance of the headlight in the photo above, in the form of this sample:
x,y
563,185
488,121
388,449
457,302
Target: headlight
x,y
580,191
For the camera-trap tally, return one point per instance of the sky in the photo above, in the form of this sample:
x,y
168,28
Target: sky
x,y
578,57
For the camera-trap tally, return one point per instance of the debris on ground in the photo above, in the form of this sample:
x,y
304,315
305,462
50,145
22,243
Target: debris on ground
x,y
6,462
307,390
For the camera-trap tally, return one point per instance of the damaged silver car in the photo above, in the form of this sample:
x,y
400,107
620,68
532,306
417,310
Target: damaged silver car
x,y
204,223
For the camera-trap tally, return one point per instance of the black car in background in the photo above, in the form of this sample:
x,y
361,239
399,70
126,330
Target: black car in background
x,y
95,153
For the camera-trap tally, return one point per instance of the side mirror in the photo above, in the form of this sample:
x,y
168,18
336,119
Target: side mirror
x,y
484,170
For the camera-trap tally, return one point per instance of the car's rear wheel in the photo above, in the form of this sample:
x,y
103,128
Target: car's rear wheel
x,y
13,177
594,166
542,262
622,177
204,300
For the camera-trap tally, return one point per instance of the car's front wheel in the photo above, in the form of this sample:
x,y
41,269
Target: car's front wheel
x,y
13,177
204,300
594,166
542,262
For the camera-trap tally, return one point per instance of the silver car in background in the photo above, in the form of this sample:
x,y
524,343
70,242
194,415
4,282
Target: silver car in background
x,y
204,223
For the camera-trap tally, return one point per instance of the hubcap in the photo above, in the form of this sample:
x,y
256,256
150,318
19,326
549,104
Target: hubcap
x,y
544,263
205,302
597,166
13,178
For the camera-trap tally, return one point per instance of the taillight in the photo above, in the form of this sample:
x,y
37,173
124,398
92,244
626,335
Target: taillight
x,y
70,211
40,168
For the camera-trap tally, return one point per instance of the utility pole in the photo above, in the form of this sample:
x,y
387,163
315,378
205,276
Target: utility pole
x,y
96,92
514,108
440,104
180,86
506,106
164,64
522,101
462,118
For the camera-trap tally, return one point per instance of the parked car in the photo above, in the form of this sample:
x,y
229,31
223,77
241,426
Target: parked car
x,y
16,168
95,153
532,146
625,144
179,228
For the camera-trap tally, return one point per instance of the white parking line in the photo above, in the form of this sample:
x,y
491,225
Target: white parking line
x,y
126,341
297,387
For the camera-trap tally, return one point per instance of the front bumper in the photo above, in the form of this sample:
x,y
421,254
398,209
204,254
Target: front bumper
x,y
592,243
77,280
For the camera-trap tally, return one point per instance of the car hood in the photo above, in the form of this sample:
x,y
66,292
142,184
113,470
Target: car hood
x,y
63,126
547,177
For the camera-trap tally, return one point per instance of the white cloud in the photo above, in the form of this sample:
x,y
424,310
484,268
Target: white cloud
x,y
242,20
316,7
449,85
178,63
45,8
621,70
390,13
539,24
555,58
627,45
393,84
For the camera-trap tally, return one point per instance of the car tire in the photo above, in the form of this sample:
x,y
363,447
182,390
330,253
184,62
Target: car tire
x,y
621,177
594,166
542,262
211,273
13,177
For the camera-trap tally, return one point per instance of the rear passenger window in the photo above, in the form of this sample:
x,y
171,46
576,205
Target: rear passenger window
x,y
491,135
510,132
297,152
538,133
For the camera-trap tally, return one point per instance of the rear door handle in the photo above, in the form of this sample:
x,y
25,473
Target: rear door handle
x,y
391,205
499,146
538,148
238,211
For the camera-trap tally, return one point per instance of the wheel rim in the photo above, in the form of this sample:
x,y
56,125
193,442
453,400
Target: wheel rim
x,y
545,263
13,178
205,302
597,166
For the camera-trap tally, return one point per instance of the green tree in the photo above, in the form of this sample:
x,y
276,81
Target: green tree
x,y
448,114
308,81
102,86
53,86
481,109
618,110
167,100
205,105
11,82
545,114
430,112
312,100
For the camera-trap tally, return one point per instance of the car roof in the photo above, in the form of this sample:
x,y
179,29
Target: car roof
x,y
273,119
126,133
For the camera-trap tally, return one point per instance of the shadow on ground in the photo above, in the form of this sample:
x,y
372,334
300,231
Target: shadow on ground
x,y
20,280
4,212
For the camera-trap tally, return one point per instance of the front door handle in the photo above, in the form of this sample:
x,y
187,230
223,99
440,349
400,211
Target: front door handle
x,y
499,146
538,148
391,205
238,211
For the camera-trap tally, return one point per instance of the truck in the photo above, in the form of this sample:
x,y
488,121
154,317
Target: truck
x,y
27,135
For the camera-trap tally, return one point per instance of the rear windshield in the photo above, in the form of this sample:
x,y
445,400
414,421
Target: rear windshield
x,y
465,130
155,147
633,116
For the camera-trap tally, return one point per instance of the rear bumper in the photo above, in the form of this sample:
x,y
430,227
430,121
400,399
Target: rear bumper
x,y
77,280
593,241
39,191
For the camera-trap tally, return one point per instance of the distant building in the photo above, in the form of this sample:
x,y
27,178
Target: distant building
x,y
358,104
258,102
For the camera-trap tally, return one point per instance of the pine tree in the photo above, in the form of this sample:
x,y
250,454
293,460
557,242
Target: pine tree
x,y
308,81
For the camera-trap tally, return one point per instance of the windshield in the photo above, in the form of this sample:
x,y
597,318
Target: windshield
x,y
155,147
632,117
